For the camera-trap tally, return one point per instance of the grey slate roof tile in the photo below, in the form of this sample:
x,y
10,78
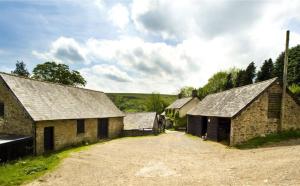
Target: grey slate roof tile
x,y
177,104
229,103
50,101
139,121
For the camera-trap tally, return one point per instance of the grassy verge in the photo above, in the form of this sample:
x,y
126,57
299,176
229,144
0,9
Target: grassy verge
x,y
30,168
270,138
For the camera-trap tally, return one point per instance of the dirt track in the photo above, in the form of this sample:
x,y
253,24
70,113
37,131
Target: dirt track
x,y
177,159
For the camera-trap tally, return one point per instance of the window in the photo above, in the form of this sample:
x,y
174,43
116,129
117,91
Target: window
x,y
1,109
80,126
274,105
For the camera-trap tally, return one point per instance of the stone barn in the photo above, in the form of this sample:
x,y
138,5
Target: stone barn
x,y
239,114
141,123
55,115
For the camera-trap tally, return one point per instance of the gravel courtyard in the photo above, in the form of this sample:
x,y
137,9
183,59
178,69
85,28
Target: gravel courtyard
x,y
177,159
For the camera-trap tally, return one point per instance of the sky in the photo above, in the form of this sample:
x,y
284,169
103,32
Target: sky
x,y
145,46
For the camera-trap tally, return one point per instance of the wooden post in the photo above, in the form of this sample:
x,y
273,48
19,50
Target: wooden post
x,y
284,78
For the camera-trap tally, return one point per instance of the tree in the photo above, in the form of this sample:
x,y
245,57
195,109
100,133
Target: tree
x,y
245,77
215,84
249,74
155,103
229,82
21,69
58,73
266,71
239,79
293,75
186,91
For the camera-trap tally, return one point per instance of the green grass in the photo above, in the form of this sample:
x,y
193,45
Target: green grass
x,y
270,138
135,102
30,168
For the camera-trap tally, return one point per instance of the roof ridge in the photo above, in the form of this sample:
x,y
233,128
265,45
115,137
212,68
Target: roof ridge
x,y
43,81
275,78
144,112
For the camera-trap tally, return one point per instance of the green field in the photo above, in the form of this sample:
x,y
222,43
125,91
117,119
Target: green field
x,y
135,102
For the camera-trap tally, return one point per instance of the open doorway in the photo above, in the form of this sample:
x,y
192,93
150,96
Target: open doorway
x,y
204,126
48,139
224,129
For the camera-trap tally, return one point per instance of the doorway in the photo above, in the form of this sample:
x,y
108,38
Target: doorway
x,y
204,126
103,128
48,139
224,129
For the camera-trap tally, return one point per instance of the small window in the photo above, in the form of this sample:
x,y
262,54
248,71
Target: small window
x,y
1,109
274,105
80,126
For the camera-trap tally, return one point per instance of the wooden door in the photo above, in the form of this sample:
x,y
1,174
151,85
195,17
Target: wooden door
x,y
48,139
103,128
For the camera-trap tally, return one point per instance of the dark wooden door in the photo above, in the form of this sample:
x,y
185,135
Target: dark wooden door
x,y
48,139
103,128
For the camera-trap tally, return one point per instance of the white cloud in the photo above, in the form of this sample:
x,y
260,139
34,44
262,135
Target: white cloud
x,y
64,50
206,41
119,15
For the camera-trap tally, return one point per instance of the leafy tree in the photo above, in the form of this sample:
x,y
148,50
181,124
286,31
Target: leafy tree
x,y
186,91
21,69
58,73
266,71
155,103
293,75
215,84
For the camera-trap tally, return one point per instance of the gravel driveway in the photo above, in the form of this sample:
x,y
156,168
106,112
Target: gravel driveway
x,y
177,159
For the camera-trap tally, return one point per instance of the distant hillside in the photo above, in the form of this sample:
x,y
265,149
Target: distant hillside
x,y
134,102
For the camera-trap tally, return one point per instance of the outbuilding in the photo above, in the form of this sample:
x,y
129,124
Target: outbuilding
x,y
239,114
141,123
54,115
178,109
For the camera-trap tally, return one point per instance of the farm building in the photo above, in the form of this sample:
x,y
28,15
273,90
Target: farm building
x,y
239,114
142,123
54,115
179,108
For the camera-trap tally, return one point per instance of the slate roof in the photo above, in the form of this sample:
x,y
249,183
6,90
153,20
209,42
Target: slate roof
x,y
50,101
231,102
139,121
179,103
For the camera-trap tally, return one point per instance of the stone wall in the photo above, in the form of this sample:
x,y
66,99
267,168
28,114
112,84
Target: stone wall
x,y
15,120
253,121
115,127
292,114
187,107
65,132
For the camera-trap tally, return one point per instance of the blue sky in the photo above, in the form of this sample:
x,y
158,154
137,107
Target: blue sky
x,y
145,45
